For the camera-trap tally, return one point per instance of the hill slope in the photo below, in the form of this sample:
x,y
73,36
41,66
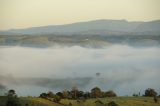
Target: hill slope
x,y
100,27
31,101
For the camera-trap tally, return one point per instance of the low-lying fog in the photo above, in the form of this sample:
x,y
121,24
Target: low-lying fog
x,y
124,69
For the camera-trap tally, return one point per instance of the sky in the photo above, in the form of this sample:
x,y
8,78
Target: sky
x,y
30,13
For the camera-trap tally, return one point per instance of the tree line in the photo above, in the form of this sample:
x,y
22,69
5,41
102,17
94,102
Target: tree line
x,y
76,94
95,92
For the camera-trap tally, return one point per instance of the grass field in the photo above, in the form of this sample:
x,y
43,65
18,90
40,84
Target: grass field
x,y
121,101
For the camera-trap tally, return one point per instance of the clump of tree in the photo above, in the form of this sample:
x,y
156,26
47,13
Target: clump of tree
x,y
150,92
96,92
51,96
12,93
43,95
57,98
77,94
135,95
87,95
65,94
74,92
12,99
110,93
47,95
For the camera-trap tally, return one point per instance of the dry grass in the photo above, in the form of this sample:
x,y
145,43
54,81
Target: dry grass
x,y
121,101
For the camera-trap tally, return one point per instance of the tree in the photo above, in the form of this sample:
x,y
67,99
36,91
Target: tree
x,y
86,95
74,92
57,98
150,92
110,94
80,94
96,92
11,93
43,95
60,94
65,94
50,94
11,98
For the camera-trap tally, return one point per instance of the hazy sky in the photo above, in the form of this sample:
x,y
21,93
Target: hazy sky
x,y
27,13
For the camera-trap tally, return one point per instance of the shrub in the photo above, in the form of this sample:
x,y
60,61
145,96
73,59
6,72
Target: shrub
x,y
57,98
150,92
112,103
110,94
96,92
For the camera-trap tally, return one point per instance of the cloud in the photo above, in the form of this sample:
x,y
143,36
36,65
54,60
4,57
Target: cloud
x,y
124,69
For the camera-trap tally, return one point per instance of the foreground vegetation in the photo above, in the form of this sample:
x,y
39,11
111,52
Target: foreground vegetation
x,y
121,101
28,101
76,97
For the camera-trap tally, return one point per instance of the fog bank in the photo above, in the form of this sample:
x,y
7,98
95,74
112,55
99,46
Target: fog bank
x,y
122,68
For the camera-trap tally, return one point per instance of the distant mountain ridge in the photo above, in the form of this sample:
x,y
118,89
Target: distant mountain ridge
x,y
95,27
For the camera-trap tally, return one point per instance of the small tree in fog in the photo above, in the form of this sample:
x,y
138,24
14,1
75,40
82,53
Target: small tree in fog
x,y
65,94
74,92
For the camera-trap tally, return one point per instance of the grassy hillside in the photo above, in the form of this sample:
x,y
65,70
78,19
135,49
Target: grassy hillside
x,y
30,101
121,101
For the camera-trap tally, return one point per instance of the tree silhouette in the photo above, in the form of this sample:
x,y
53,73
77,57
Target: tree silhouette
x,y
150,92
12,98
96,92
50,94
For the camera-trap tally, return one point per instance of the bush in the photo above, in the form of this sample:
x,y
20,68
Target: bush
x,y
50,94
12,101
112,103
43,95
96,92
150,92
110,94
57,98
